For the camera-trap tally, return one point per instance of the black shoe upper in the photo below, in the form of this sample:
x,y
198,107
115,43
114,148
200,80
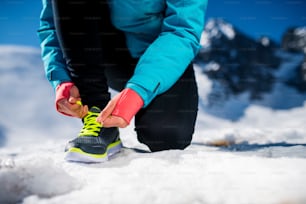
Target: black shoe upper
x,y
95,144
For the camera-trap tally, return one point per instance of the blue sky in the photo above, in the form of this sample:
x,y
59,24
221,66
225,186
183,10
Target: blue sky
x,y
19,19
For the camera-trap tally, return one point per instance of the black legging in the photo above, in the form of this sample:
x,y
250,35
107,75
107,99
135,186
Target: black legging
x,y
97,58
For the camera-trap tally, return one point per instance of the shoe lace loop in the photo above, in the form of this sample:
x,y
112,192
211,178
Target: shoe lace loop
x,y
91,126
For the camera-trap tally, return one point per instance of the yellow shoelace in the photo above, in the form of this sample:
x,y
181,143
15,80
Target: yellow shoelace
x,y
91,126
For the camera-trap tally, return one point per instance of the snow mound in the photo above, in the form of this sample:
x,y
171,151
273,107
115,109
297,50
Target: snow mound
x,y
33,176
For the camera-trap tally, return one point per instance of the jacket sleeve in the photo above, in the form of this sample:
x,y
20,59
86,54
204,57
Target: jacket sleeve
x,y
166,59
54,64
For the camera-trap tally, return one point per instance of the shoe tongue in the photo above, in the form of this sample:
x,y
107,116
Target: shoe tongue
x,y
95,109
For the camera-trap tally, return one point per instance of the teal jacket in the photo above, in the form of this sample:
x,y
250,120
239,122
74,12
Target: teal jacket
x,y
164,34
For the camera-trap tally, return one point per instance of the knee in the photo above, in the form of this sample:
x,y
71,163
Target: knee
x,y
165,140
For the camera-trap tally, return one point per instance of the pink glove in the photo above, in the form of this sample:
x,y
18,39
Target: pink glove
x,y
121,109
66,100
128,105
62,92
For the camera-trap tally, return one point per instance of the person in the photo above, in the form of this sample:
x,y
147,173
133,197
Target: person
x,y
144,50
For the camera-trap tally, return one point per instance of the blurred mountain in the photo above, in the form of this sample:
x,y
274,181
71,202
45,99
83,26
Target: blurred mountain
x,y
294,40
3,137
250,70
27,99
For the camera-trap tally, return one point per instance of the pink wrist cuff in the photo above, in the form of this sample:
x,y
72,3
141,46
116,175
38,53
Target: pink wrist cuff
x,y
62,91
128,105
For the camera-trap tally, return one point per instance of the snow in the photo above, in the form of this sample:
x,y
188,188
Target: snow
x,y
215,28
24,92
301,31
265,41
34,175
266,162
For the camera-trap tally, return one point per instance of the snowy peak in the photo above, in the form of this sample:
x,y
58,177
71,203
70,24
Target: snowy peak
x,y
294,40
218,32
239,65
216,29
236,59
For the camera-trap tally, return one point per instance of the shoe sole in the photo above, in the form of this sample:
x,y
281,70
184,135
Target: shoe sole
x,y
75,154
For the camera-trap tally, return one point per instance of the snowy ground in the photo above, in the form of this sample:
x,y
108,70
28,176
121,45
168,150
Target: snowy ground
x,y
265,163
